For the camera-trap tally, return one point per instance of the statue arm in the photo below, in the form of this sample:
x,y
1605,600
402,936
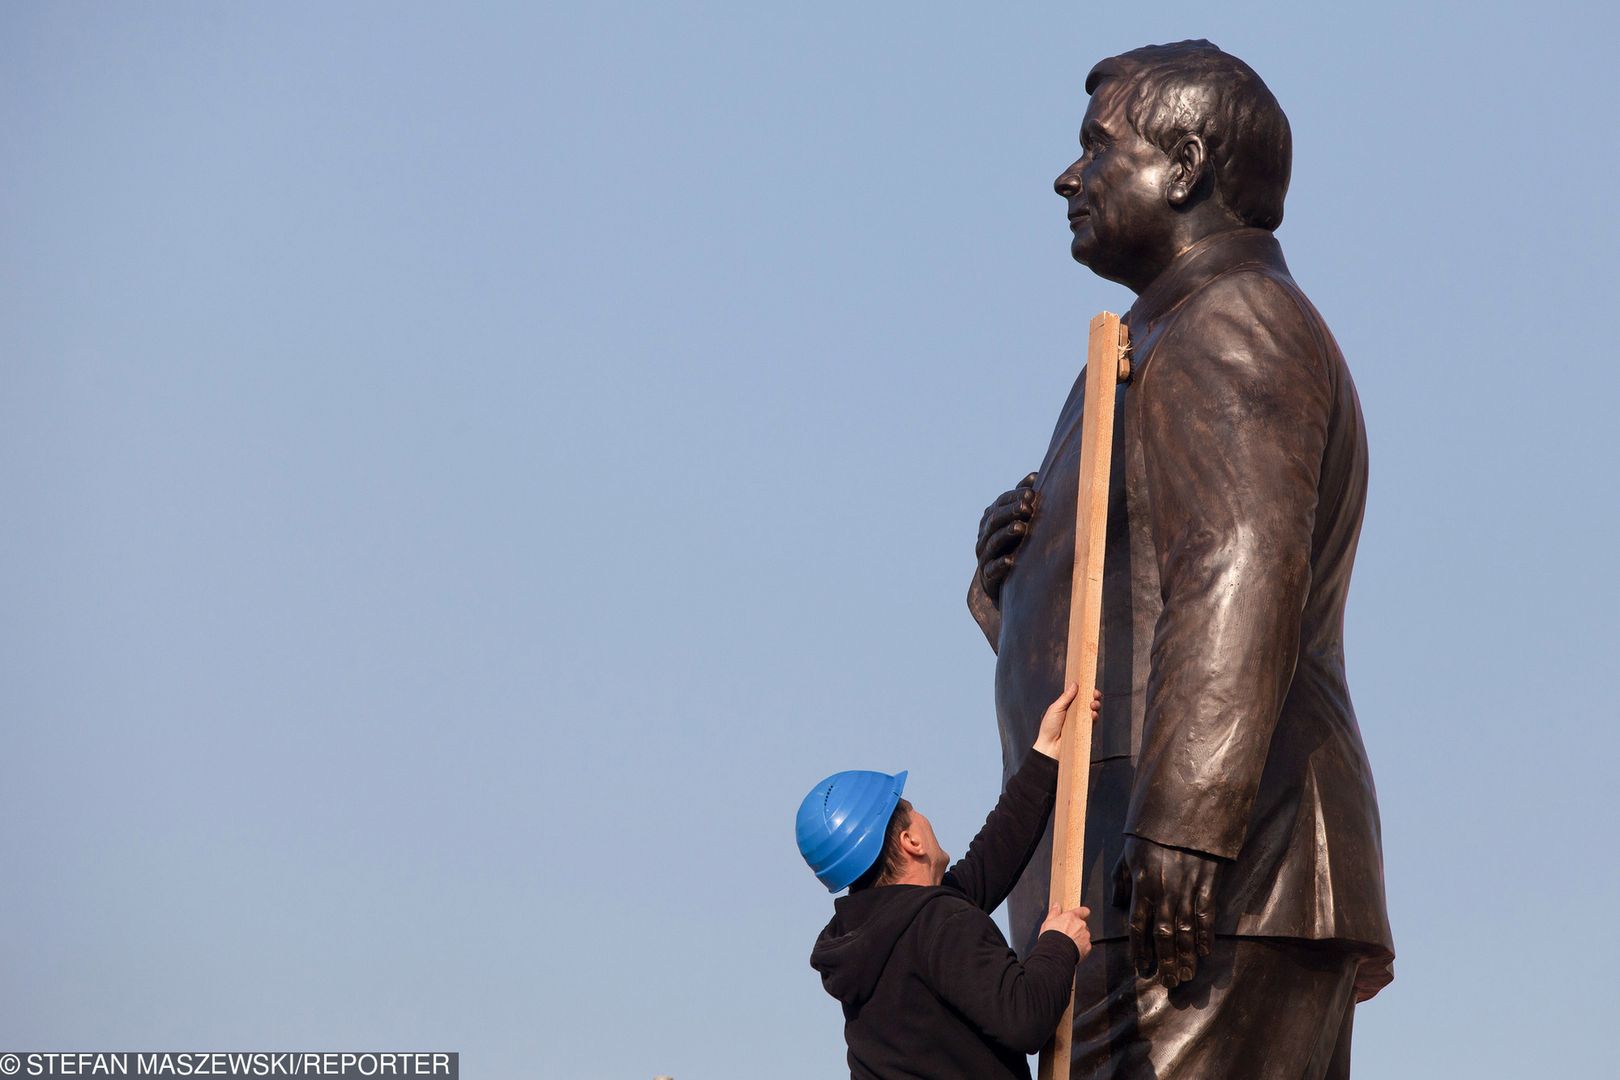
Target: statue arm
x,y
1234,412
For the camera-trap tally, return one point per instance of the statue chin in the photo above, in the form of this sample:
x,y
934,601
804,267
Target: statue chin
x,y
1083,247
1102,261
1085,252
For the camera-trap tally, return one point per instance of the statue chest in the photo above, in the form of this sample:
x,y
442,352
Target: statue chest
x,y
1035,598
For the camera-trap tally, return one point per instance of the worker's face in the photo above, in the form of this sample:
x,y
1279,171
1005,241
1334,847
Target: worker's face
x,y
922,832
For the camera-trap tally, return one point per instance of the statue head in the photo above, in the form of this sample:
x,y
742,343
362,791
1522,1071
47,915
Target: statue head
x,y
1179,142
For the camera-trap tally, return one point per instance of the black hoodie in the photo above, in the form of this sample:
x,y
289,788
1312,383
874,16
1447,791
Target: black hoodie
x,y
928,984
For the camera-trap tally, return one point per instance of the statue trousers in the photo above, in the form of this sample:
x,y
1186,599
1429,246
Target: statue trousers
x,y
1258,1009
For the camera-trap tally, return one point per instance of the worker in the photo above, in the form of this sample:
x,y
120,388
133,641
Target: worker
x,y
927,982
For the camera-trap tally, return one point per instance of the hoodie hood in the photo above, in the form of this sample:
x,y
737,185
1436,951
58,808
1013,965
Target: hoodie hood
x,y
855,946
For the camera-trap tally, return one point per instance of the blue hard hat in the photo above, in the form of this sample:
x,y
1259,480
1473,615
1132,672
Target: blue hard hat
x,y
842,822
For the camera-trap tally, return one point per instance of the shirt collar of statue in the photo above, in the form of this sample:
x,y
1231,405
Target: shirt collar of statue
x,y
1198,265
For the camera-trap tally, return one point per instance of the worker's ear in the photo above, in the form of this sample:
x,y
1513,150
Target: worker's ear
x,y
911,843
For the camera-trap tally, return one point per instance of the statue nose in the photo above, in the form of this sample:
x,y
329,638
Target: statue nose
x,y
1067,185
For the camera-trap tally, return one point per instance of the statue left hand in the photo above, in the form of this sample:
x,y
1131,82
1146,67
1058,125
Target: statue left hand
x,y
1170,893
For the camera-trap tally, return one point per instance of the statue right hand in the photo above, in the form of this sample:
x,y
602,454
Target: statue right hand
x,y
1071,924
1002,529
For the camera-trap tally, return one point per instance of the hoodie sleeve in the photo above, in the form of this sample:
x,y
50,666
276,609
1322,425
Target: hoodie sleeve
x,y
998,855
1016,1004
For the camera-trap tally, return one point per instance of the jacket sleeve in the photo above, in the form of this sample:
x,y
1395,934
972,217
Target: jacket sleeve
x,y
1017,1004
1234,413
997,857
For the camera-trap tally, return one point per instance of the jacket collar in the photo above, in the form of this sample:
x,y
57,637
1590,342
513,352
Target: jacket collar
x,y
1198,265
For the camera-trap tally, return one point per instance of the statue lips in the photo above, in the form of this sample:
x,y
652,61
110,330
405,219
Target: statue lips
x,y
1078,218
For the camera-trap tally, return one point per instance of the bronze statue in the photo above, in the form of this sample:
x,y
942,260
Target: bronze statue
x,y
1233,858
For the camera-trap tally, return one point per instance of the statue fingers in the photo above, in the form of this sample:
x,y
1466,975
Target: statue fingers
x,y
994,573
995,517
1164,941
1186,945
1141,927
1001,515
997,506
1003,542
1204,915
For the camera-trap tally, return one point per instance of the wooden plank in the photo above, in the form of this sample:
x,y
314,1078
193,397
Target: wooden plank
x,y
1106,367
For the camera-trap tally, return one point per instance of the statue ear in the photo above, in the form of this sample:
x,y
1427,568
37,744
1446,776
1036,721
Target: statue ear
x,y
1189,161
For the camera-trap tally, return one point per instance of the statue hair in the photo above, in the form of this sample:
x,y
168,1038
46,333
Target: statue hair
x,y
1193,88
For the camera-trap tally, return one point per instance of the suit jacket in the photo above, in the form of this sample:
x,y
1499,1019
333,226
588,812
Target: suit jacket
x,y
1238,482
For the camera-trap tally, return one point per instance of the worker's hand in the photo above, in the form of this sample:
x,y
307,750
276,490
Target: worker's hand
x,y
1170,893
1001,531
1050,736
1072,925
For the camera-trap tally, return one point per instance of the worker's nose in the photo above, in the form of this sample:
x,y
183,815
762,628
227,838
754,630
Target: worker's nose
x,y
1068,183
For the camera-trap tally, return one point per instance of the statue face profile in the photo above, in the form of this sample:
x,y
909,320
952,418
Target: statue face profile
x,y
1179,141
1116,191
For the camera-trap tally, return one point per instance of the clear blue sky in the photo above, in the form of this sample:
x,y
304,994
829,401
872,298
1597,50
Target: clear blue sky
x,y
468,469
